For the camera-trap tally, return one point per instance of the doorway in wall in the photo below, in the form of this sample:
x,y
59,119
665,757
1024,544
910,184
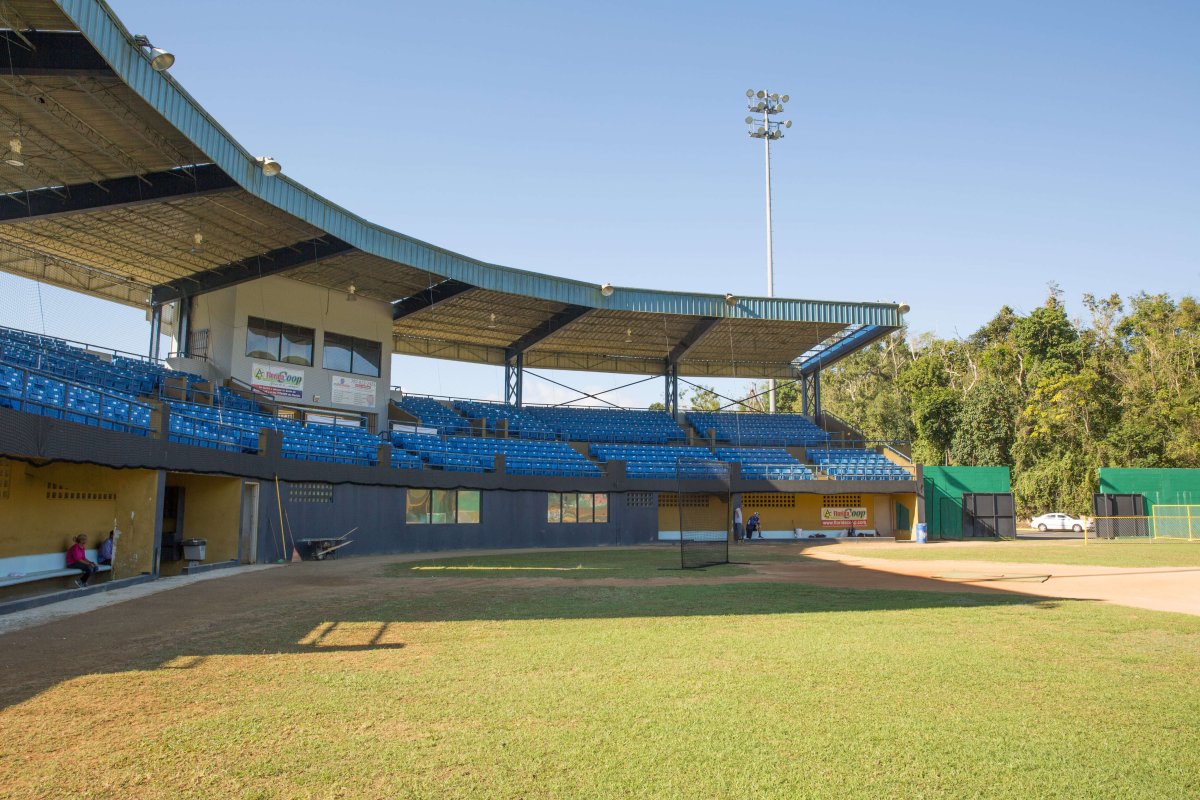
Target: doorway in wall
x,y
248,534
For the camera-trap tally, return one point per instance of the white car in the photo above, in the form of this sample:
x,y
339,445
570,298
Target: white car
x,y
1060,522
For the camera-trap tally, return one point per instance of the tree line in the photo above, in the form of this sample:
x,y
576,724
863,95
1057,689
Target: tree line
x,y
1051,397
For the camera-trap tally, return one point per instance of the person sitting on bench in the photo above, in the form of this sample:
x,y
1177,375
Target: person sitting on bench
x,y
77,559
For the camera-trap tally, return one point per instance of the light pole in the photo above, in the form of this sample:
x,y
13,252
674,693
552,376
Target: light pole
x,y
768,104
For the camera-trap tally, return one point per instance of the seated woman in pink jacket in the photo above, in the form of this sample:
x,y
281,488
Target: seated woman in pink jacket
x,y
77,559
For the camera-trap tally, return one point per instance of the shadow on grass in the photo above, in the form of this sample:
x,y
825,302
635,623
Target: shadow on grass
x,y
314,609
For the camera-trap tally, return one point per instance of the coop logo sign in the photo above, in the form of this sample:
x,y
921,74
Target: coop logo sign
x,y
277,381
843,517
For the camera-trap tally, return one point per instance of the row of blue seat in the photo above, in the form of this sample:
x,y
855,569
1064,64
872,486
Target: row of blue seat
x,y
24,390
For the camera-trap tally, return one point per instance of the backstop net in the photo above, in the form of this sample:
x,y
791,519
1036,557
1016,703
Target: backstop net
x,y
702,498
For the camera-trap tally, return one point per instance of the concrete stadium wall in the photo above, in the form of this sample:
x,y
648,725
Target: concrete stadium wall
x,y
1158,486
507,520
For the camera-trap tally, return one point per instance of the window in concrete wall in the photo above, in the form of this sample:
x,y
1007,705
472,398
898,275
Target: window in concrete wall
x,y
279,341
347,354
417,507
468,507
576,507
442,507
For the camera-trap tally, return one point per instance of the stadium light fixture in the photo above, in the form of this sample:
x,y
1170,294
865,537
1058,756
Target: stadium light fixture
x,y
13,157
730,300
607,290
767,129
903,308
160,60
352,294
269,166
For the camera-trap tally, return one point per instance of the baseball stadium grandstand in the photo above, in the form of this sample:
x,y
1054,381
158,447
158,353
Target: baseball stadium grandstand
x,y
272,427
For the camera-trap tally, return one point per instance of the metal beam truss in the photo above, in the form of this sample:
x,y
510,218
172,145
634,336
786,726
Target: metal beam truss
x,y
134,190
438,293
514,379
271,262
671,390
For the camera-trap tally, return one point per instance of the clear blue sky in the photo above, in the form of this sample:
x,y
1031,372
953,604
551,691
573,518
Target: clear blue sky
x,y
955,156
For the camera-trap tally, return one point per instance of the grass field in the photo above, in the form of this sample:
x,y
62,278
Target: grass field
x,y
1096,554
526,688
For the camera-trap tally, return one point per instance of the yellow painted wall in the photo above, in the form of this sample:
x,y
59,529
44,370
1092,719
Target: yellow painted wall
x,y
714,516
211,511
42,508
804,510
909,501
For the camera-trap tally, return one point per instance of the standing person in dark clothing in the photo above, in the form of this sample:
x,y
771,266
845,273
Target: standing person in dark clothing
x,y
752,526
77,559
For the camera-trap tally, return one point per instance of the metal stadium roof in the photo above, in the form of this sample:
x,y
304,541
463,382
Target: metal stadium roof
x,y
120,167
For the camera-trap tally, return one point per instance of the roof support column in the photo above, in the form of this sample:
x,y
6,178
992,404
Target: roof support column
x,y
183,326
514,378
816,383
671,391
804,395
155,330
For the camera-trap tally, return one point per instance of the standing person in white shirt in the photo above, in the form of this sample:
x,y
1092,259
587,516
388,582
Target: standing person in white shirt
x,y
737,523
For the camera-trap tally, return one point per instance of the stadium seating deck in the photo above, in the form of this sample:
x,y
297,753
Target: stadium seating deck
x,y
520,422
857,464
766,463
522,457
753,428
237,431
609,425
434,414
25,390
660,461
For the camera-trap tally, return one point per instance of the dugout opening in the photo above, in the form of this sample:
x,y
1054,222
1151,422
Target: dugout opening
x,y
199,507
44,506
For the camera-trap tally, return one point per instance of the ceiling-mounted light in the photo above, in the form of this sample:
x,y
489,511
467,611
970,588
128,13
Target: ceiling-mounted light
x,y
607,290
197,242
14,158
160,60
628,335
352,294
492,321
730,300
269,166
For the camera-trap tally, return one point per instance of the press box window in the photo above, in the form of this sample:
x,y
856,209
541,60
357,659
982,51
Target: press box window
x,y
279,341
347,354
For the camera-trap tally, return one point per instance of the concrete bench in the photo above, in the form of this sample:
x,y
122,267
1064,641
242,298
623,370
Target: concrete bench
x,y
27,569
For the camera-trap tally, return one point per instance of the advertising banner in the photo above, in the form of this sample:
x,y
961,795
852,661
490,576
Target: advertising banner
x,y
349,391
277,380
843,517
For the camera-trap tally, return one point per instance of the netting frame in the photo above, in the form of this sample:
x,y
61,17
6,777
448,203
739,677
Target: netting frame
x,y
708,547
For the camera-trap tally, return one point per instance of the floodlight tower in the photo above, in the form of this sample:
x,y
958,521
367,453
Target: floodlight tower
x,y
768,104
